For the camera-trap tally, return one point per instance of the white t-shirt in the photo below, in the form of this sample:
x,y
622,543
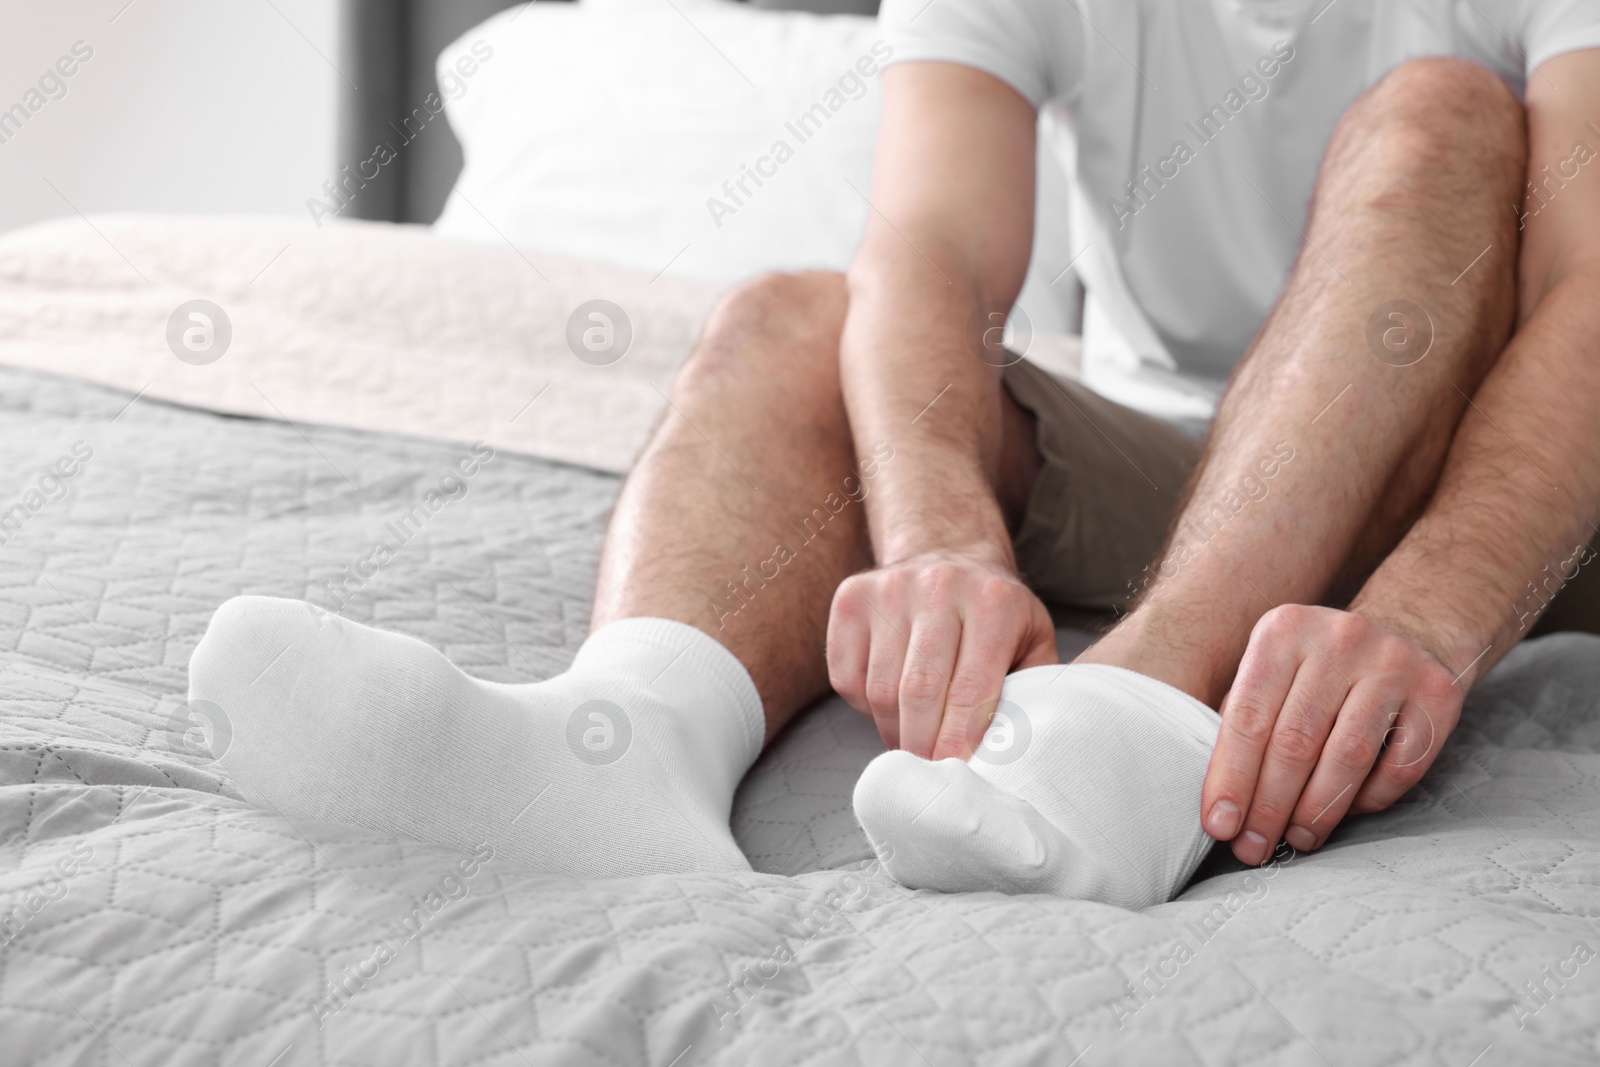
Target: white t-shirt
x,y
1218,111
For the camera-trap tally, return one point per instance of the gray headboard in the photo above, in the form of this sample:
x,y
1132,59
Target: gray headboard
x,y
390,50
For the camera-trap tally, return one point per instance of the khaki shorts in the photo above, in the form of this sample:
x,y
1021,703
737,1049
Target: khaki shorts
x,y
1104,501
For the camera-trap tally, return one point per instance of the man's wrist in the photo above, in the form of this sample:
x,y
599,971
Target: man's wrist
x,y
1433,627
940,507
984,551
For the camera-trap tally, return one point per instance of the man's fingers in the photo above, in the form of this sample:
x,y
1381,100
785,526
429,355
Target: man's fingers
x,y
1041,650
1346,760
1248,716
1302,728
1410,745
925,679
1412,742
989,653
885,664
980,671
849,639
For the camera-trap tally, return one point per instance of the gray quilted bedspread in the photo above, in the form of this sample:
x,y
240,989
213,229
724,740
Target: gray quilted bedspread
x,y
152,917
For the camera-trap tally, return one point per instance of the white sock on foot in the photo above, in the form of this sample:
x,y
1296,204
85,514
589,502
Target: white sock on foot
x,y
1087,785
624,765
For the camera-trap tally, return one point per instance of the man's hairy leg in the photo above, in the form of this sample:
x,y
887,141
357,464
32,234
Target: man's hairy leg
x,y
1343,409
744,513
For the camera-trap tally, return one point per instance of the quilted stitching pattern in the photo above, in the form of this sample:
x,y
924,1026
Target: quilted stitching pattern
x,y
199,930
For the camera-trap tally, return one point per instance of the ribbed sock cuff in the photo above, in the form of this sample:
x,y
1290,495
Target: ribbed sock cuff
x,y
693,657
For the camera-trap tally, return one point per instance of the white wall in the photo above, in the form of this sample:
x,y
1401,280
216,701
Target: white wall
x,y
191,106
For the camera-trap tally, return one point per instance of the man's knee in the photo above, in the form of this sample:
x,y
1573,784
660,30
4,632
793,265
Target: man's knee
x,y
1435,127
773,322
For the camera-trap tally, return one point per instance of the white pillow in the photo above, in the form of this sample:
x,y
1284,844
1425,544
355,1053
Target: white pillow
x,y
704,139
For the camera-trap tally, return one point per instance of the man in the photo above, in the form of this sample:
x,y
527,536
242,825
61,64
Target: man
x,y
1363,232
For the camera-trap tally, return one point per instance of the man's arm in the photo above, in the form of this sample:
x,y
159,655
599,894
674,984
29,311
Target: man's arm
x,y
923,642
1519,492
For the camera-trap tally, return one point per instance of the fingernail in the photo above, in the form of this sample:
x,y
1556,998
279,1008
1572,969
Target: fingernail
x,y
1254,845
1302,839
1223,821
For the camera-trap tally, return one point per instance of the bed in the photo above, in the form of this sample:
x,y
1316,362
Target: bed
x,y
149,915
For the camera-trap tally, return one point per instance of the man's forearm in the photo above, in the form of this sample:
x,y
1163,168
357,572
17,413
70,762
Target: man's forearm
x,y
1517,501
910,379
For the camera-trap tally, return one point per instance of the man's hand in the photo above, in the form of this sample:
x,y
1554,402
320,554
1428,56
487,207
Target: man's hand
x,y
923,646
1329,713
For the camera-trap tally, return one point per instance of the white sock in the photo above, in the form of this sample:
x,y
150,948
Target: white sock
x,y
1087,785
624,765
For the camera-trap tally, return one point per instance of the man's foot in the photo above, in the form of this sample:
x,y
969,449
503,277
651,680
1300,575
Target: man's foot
x,y
624,765
1087,785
